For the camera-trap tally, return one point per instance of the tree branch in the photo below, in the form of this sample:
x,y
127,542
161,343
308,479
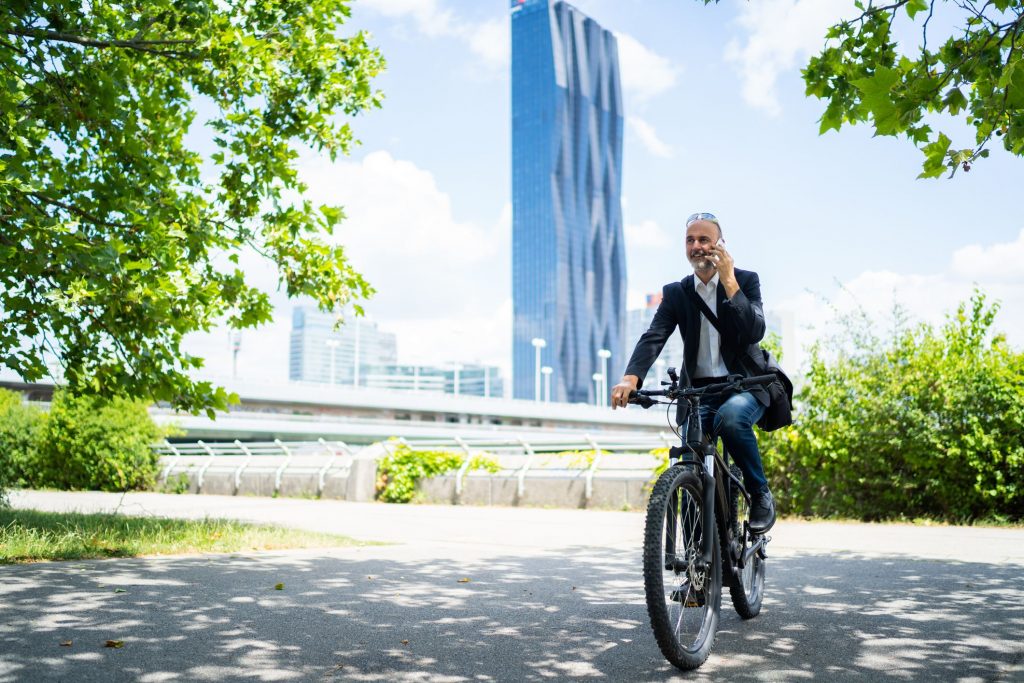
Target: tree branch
x,y
77,211
158,47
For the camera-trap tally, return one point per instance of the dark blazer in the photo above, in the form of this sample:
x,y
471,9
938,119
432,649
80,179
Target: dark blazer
x,y
741,319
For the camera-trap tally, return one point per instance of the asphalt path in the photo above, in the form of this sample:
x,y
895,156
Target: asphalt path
x,y
550,595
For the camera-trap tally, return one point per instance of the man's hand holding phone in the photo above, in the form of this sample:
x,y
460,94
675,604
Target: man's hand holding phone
x,y
722,259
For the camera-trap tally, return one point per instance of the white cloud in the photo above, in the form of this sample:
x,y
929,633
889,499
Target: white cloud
x,y
645,234
434,274
489,40
649,137
779,34
443,285
645,73
997,269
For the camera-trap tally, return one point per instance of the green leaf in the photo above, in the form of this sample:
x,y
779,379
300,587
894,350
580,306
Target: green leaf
x,y
935,157
877,95
915,6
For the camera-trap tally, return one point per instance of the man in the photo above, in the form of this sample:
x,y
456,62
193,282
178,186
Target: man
x,y
734,297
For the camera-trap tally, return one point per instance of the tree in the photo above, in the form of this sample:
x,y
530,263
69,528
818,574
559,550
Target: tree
x,y
117,238
976,72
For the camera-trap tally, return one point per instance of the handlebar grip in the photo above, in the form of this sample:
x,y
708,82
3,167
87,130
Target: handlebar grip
x,y
640,400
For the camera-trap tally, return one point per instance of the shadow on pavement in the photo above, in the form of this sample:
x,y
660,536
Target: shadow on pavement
x,y
374,614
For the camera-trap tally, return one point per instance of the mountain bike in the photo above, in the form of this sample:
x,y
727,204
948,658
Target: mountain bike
x,y
697,535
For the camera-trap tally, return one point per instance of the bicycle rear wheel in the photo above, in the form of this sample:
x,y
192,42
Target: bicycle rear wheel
x,y
684,598
748,593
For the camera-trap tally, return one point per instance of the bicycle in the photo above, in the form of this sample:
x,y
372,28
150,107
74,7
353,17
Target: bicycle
x,y
697,535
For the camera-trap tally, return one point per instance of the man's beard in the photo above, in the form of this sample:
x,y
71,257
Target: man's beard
x,y
702,263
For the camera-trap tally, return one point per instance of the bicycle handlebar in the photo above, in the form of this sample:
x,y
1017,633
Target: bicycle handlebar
x,y
645,398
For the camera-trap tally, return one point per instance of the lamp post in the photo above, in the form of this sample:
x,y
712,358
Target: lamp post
x,y
332,344
546,371
355,370
604,355
236,345
538,344
457,367
659,368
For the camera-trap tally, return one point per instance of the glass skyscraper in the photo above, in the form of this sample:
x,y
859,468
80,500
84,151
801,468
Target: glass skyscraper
x,y
568,262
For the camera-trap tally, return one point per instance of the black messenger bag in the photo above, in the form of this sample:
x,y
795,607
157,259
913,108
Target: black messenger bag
x,y
779,412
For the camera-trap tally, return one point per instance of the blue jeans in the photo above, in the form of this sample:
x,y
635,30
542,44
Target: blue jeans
x,y
732,417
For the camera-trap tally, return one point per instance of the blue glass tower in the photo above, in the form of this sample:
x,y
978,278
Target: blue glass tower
x,y
568,263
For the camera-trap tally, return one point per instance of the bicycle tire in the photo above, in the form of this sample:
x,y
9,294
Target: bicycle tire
x,y
748,593
679,491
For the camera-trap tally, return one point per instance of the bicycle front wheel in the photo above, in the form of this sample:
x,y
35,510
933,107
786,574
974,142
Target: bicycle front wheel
x,y
684,597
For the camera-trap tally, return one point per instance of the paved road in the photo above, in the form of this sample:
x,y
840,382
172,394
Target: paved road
x,y
553,594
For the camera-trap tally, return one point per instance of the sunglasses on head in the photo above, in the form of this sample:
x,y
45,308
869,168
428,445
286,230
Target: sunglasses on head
x,y
702,217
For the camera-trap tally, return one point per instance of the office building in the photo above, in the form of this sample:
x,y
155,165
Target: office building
x,y
320,353
568,259
456,379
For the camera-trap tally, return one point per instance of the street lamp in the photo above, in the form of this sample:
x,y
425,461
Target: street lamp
x,y
355,369
236,345
598,378
546,371
604,355
457,368
332,344
538,344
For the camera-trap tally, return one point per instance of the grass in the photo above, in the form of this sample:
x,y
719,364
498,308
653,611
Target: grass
x,y
32,536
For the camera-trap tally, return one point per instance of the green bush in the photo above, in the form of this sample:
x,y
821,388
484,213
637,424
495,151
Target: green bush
x,y
21,429
914,422
97,444
399,472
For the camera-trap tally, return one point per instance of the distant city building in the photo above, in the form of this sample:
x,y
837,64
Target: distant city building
x,y
463,380
355,345
314,339
637,322
568,259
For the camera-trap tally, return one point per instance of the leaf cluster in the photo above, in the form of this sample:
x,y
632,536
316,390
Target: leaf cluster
x,y
400,471
977,72
116,238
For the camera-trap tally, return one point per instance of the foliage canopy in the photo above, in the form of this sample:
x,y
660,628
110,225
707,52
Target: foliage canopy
x,y
116,238
975,71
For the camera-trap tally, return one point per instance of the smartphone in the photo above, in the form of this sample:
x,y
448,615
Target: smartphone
x,y
720,242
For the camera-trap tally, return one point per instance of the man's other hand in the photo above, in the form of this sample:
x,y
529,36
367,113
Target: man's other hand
x,y
622,390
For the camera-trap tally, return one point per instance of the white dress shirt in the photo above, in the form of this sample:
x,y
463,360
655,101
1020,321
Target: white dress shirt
x,y
709,353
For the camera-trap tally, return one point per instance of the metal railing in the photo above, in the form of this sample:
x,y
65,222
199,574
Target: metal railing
x,y
517,456
276,457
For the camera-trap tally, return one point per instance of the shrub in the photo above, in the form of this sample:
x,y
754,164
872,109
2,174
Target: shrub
x,y
917,422
95,443
398,473
21,429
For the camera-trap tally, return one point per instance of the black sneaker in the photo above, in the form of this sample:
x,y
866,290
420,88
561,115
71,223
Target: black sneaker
x,y
688,597
762,512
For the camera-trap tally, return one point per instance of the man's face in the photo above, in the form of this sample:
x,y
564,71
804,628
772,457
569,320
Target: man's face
x,y
700,236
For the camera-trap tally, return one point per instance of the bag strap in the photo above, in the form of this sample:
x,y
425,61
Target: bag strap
x,y
704,308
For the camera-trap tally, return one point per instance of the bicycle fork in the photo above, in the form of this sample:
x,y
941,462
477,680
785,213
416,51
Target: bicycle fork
x,y
708,516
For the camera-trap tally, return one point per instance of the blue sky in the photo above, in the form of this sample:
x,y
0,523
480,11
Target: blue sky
x,y
716,121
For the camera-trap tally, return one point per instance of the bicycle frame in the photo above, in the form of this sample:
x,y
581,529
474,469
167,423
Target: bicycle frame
x,y
699,452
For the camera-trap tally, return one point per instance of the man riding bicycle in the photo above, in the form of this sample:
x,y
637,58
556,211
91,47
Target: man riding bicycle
x,y
727,344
